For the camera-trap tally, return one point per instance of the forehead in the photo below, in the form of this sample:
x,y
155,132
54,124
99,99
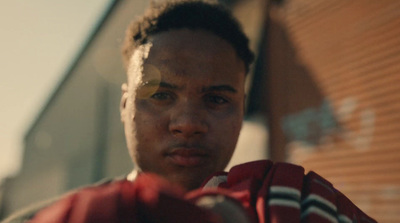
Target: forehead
x,y
194,54
181,39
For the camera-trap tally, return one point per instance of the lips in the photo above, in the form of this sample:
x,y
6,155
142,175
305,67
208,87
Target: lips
x,y
188,156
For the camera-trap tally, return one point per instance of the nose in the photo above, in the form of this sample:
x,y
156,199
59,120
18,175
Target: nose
x,y
188,121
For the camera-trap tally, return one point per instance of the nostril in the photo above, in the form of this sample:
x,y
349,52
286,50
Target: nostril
x,y
186,130
187,124
197,132
176,131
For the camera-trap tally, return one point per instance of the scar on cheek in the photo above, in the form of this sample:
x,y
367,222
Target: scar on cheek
x,y
151,78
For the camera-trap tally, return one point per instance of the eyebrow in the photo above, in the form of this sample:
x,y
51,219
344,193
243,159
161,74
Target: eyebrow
x,y
168,85
220,88
153,83
204,89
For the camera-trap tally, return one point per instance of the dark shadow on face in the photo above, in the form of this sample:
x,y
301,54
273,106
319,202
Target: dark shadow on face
x,y
183,116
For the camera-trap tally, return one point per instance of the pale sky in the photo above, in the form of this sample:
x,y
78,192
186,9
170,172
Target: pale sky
x,y
39,40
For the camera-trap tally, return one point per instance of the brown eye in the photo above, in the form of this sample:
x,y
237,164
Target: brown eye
x,y
215,99
161,96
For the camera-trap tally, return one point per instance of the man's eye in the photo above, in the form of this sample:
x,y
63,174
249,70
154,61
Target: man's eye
x,y
217,99
161,96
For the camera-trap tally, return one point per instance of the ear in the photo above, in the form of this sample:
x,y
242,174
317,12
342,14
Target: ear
x,y
124,98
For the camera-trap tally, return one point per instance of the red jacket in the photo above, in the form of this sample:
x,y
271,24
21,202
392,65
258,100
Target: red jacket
x,y
258,191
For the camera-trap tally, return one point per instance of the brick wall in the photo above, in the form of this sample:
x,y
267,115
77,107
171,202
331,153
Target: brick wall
x,y
333,83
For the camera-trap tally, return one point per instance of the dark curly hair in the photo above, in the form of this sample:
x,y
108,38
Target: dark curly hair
x,y
190,14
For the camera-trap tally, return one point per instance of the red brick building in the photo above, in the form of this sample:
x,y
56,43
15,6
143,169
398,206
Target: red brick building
x,y
331,91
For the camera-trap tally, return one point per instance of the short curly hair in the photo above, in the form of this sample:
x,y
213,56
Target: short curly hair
x,y
190,14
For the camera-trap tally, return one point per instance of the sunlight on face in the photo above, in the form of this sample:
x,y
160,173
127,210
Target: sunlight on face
x,y
183,105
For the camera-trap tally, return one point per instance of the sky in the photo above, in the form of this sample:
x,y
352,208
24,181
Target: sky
x,y
39,40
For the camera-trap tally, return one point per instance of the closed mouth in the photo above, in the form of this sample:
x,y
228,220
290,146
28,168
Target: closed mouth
x,y
188,156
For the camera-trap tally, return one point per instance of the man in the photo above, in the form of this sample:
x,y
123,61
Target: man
x,y
183,104
182,109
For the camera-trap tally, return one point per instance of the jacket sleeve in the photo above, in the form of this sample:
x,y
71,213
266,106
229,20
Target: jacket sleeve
x,y
30,211
27,213
281,192
148,199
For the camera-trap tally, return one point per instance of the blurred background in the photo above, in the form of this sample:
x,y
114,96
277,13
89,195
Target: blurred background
x,y
324,93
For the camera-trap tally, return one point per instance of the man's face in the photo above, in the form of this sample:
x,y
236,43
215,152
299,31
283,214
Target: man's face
x,y
182,107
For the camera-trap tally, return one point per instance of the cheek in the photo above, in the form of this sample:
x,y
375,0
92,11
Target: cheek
x,y
150,127
233,122
227,138
234,131
228,130
146,138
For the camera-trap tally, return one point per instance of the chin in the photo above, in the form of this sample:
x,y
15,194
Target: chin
x,y
189,183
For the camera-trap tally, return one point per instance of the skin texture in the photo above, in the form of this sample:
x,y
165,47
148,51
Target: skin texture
x,y
182,107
